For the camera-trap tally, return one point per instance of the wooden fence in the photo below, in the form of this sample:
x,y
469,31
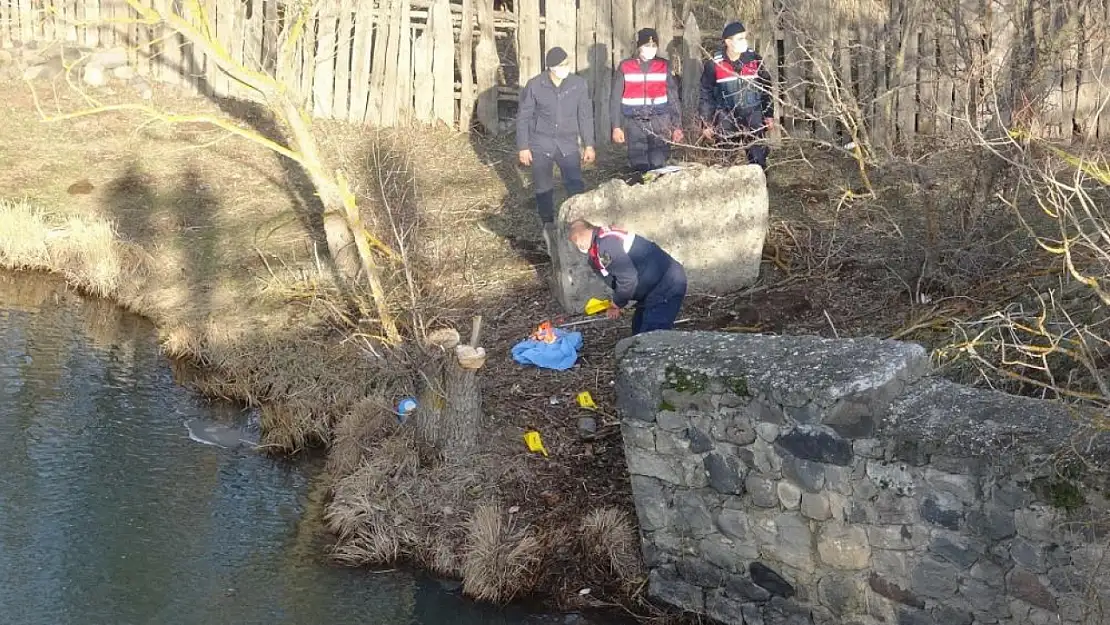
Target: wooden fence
x,y
913,70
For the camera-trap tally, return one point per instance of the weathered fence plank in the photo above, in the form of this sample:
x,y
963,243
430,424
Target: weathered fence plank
x,y
624,34
5,24
584,41
405,88
560,30
927,85
92,17
466,66
344,51
691,73
443,63
390,97
1070,90
486,64
602,61
529,55
794,87
644,16
664,15
906,115
26,17
361,74
323,82
422,66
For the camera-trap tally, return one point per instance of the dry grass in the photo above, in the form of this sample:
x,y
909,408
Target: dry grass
x,y
608,538
84,250
501,559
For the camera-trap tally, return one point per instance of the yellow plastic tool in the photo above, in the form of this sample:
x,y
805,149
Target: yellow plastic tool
x,y
595,306
532,439
586,401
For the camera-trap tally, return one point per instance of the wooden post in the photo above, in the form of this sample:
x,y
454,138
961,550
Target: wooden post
x,y
644,16
560,28
584,65
770,52
1086,104
195,59
237,48
624,32
487,64
361,68
794,88
271,31
323,80
93,17
144,41
26,21
383,25
1103,73
405,87
424,80
5,24
664,12
865,84
927,108
466,65
529,55
432,398
946,68
691,73
344,44
1070,96
443,63
602,62
907,92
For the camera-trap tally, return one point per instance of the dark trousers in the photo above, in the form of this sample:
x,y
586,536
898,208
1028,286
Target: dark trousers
x,y
739,131
647,142
543,178
660,308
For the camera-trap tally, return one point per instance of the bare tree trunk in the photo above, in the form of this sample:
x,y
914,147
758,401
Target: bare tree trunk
x,y
450,412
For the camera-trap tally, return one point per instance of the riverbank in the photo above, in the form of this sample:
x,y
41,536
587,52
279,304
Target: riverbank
x,y
212,238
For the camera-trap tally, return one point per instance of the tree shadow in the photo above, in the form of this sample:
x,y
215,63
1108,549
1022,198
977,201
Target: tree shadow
x,y
297,184
516,220
195,207
130,199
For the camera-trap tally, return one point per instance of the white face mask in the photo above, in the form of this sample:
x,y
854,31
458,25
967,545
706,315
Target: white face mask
x,y
584,250
648,53
561,72
739,45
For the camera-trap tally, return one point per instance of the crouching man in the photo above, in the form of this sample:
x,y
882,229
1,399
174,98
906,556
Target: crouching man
x,y
637,270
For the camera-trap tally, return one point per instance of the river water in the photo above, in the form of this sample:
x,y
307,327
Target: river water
x,y
111,513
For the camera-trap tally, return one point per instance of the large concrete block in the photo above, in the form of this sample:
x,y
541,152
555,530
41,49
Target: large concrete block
x,y
711,219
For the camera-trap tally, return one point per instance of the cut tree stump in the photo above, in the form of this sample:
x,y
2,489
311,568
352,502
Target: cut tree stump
x,y
450,405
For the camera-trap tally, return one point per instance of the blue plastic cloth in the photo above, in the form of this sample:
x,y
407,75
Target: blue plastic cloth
x,y
559,355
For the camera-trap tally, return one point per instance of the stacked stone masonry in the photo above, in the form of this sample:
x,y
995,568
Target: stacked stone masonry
x,y
801,480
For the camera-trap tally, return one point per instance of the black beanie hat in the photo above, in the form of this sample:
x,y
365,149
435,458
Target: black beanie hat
x,y
646,36
555,56
733,29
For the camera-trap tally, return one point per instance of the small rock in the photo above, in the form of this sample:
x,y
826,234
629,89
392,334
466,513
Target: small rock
x,y
124,72
514,509
33,72
587,427
584,592
6,58
93,76
789,495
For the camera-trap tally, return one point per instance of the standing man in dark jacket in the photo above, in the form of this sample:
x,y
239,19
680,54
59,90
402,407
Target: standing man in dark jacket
x,y
644,106
555,111
736,106
637,270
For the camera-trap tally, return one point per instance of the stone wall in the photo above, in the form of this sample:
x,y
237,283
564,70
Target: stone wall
x,y
804,480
